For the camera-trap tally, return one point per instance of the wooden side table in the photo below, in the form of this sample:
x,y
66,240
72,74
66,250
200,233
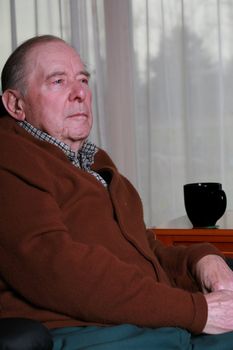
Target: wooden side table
x,y
180,232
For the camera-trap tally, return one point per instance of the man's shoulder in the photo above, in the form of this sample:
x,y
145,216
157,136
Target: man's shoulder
x,y
9,133
102,158
9,128
18,143
7,123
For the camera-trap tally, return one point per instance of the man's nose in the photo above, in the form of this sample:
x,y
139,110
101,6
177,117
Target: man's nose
x,y
78,91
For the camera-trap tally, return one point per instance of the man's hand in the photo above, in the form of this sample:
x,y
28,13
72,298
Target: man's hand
x,y
213,274
216,280
220,312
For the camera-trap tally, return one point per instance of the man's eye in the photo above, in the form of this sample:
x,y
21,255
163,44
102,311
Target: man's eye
x,y
85,81
58,81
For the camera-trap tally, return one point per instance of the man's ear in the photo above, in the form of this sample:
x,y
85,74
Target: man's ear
x,y
13,104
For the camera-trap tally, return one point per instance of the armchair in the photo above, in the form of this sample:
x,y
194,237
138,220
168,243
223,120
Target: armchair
x,y
2,108
24,334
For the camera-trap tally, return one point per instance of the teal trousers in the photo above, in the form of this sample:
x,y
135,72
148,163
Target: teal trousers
x,y
130,337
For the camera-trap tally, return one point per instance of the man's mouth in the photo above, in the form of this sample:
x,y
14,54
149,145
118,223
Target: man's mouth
x,y
78,115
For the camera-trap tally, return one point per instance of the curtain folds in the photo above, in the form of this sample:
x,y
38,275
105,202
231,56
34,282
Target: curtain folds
x,y
162,86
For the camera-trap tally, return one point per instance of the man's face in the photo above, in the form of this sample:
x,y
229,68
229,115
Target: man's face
x,y
58,98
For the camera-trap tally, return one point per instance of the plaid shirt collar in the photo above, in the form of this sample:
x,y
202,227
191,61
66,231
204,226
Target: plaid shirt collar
x,y
83,158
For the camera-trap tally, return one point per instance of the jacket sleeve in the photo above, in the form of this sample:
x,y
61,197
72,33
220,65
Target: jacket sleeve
x,y
42,263
179,262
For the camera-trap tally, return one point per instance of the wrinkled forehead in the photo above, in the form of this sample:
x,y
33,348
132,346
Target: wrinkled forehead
x,y
53,55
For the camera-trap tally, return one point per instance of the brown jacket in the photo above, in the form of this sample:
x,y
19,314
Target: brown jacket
x,y
74,253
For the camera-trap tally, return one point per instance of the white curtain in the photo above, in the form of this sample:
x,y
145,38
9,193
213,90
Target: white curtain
x,y
162,80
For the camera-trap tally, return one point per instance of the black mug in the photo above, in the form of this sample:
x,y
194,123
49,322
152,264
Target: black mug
x,y
205,203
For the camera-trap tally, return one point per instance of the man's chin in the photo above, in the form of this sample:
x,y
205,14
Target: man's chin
x,y
75,142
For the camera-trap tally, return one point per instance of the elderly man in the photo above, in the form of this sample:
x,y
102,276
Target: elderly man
x,y
74,250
